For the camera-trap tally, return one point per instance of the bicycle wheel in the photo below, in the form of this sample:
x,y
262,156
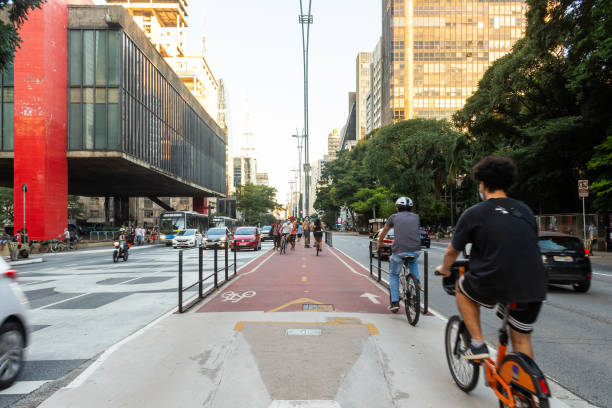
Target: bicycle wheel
x,y
318,249
412,299
522,399
464,372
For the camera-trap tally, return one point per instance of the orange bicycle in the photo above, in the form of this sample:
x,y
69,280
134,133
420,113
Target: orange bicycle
x,y
515,378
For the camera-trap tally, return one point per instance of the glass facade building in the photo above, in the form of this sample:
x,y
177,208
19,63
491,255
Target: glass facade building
x,y
119,100
7,97
435,52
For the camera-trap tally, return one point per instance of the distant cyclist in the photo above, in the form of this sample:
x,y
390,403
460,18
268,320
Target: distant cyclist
x,y
505,261
407,242
317,231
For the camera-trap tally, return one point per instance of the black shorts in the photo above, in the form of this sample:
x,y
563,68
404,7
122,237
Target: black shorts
x,y
520,319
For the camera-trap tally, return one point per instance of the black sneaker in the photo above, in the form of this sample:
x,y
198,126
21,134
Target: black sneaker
x,y
393,307
476,353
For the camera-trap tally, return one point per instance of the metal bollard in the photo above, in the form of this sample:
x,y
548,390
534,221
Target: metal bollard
x,y
235,263
379,266
426,282
370,249
215,266
226,265
200,271
180,282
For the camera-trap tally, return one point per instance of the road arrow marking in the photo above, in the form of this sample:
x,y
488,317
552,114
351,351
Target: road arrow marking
x,y
372,298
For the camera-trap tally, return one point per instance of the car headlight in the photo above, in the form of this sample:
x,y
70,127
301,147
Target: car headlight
x,y
544,258
162,236
223,239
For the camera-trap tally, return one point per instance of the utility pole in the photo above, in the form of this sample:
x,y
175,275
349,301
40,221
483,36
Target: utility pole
x,y
306,20
300,141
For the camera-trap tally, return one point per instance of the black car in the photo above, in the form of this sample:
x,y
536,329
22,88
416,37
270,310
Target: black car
x,y
425,240
566,260
266,233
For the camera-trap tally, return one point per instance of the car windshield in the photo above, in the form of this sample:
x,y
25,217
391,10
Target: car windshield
x,y
185,233
266,228
216,231
245,231
390,234
560,244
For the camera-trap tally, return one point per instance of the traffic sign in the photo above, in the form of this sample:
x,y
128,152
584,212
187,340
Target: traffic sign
x,y
583,188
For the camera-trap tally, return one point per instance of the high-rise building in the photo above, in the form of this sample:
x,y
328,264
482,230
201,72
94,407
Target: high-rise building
x,y
263,179
333,144
164,22
362,87
434,53
348,134
373,105
244,171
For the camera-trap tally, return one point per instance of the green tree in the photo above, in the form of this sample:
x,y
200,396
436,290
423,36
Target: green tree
x,y
253,201
602,163
6,206
546,104
9,36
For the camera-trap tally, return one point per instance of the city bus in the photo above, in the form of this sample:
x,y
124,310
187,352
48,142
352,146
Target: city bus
x,y
170,222
228,222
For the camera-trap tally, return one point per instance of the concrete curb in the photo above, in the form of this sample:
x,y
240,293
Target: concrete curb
x,y
25,262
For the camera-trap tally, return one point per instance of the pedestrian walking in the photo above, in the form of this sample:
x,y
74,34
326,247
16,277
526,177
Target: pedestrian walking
x,y
300,230
306,231
276,233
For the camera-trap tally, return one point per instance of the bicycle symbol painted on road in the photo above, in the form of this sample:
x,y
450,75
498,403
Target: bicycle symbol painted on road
x,y
237,297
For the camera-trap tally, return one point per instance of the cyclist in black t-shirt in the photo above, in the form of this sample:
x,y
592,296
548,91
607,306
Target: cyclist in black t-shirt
x,y
505,261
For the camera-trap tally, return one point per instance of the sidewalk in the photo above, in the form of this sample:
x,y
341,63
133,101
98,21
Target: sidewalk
x,y
292,330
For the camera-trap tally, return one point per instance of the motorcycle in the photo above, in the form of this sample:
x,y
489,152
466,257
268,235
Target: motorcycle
x,y
119,252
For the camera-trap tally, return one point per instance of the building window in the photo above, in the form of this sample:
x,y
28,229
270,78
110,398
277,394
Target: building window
x,y
6,110
94,213
148,203
148,213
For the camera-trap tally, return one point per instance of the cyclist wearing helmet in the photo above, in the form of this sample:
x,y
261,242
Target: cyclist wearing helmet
x,y
407,242
505,261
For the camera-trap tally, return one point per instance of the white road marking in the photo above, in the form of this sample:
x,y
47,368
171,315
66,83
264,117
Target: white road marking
x,y
372,298
602,274
23,387
236,297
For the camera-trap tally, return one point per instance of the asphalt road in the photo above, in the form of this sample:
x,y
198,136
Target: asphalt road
x,y
81,303
573,335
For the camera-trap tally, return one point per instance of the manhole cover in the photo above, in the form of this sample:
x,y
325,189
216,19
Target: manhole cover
x,y
303,332
317,308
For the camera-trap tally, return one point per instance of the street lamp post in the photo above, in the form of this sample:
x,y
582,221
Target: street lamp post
x,y
300,141
306,20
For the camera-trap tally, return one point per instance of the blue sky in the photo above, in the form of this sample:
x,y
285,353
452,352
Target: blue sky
x,y
255,46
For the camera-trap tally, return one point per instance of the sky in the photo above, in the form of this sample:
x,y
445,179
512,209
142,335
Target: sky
x,y
256,47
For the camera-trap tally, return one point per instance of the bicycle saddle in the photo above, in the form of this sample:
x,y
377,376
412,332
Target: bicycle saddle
x,y
408,258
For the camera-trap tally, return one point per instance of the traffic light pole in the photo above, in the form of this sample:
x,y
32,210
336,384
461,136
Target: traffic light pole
x,y
306,20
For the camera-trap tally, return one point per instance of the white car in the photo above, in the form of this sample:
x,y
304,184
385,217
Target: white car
x,y
13,326
187,238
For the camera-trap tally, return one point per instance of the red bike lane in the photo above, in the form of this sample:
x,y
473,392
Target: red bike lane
x,y
301,281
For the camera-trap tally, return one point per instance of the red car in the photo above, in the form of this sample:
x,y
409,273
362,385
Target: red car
x,y
246,238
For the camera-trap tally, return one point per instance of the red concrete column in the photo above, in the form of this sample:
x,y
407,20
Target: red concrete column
x,y
200,204
41,80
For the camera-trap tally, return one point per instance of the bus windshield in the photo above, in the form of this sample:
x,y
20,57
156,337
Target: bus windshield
x,y
168,225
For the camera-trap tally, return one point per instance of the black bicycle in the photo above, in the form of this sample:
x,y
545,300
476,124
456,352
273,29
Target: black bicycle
x,y
410,291
283,244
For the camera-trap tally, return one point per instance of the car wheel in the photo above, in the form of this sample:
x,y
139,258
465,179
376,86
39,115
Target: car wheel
x,y
11,353
582,287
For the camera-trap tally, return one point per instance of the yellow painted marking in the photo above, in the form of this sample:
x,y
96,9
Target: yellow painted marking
x,y
295,302
336,322
303,266
304,279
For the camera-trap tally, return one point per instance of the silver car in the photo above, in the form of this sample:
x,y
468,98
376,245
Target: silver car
x,y
187,238
13,326
218,236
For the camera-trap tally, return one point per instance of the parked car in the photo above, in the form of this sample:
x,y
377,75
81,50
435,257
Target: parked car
x,y
246,238
13,326
425,240
384,249
187,238
566,260
266,233
217,236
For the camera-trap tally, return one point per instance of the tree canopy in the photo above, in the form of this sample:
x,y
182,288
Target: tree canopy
x,y
9,36
255,202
